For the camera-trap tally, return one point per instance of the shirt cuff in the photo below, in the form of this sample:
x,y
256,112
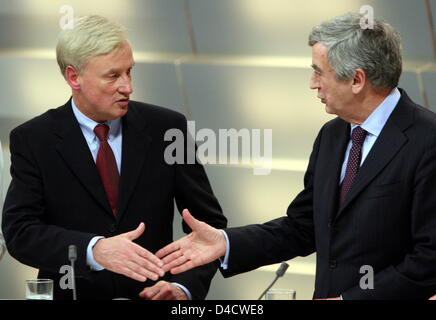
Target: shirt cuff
x,y
225,262
188,294
90,261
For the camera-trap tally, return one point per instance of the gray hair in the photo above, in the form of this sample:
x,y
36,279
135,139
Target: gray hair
x,y
91,36
377,51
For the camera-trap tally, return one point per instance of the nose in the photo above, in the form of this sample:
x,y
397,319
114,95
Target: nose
x,y
313,83
126,85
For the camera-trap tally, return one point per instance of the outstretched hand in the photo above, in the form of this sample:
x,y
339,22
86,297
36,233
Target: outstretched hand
x,y
203,245
121,255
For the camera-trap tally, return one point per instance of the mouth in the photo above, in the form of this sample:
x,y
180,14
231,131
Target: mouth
x,y
123,102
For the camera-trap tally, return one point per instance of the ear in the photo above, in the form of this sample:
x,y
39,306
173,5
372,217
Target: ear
x,y
72,75
359,81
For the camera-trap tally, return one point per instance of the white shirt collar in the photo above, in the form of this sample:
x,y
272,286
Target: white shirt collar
x,y
378,118
87,125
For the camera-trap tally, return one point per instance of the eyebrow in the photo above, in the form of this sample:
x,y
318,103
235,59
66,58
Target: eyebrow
x,y
118,70
316,68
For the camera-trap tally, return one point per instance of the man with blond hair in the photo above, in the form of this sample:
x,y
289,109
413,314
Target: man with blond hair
x,y
92,173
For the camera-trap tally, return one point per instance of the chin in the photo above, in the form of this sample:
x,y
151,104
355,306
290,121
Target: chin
x,y
122,112
119,114
328,110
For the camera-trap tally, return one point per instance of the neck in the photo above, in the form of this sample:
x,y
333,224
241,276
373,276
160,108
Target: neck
x,y
83,107
366,103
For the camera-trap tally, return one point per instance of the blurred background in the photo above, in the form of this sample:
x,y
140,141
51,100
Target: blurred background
x,y
225,64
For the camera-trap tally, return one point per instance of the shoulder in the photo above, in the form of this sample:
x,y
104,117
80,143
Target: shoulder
x,y
425,118
156,115
332,129
422,129
151,110
40,125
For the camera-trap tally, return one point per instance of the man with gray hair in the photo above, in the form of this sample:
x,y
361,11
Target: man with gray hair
x,y
92,173
368,208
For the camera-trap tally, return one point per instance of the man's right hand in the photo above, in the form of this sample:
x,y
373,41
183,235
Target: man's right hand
x,y
121,255
203,245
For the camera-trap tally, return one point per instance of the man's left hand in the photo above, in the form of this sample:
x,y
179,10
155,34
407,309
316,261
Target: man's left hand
x,y
163,290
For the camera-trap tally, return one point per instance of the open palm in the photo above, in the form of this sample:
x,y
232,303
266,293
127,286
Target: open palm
x,y
203,245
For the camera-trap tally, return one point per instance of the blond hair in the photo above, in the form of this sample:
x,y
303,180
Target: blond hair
x,y
91,36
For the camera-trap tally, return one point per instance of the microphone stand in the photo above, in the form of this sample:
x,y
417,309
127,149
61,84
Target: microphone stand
x,y
279,273
72,256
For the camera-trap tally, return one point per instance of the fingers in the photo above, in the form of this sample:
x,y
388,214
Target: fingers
x,y
155,262
120,255
135,234
150,292
190,220
163,290
139,272
188,265
144,259
172,247
128,272
175,263
169,259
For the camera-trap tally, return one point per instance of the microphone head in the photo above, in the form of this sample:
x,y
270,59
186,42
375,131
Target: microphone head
x,y
282,269
72,252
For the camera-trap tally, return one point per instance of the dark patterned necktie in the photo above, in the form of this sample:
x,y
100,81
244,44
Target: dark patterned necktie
x,y
357,137
107,166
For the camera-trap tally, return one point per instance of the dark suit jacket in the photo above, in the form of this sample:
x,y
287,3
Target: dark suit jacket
x,y
56,198
388,220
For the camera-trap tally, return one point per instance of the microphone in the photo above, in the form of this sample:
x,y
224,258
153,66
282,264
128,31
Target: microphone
x,y
72,256
279,273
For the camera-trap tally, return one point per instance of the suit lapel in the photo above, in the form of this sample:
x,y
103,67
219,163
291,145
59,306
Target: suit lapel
x,y
74,150
136,143
387,145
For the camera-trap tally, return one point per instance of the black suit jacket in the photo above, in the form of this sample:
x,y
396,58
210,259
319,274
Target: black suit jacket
x,y
56,198
388,220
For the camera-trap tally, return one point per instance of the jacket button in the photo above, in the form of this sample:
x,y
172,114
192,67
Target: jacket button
x,y
329,225
112,228
333,264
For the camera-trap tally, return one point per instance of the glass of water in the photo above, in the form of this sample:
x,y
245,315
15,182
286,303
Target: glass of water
x,y
39,289
280,294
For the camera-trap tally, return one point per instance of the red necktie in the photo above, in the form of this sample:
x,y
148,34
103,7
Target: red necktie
x,y
357,137
107,166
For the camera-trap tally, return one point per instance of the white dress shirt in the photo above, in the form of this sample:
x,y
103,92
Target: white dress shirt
x,y
373,125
